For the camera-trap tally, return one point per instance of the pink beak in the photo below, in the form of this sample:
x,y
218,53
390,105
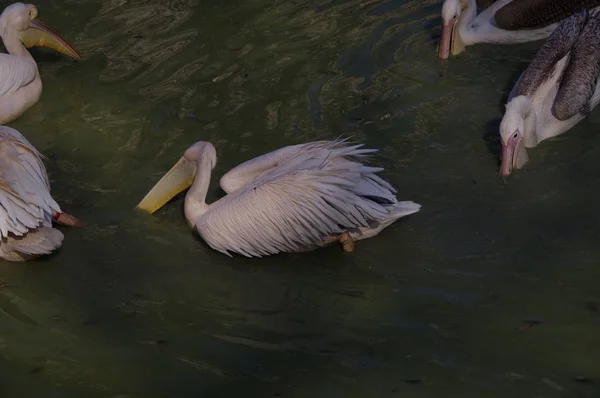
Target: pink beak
x,y
446,41
508,154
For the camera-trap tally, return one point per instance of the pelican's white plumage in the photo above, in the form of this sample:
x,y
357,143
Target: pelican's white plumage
x,y
558,89
294,199
26,206
20,82
503,21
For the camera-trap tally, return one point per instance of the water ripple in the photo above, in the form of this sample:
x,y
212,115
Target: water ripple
x,y
134,35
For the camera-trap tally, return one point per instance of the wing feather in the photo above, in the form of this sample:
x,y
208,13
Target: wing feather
x,y
535,14
315,194
246,172
581,74
560,42
25,200
16,72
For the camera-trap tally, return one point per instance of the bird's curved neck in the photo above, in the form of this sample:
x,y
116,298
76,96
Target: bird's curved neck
x,y
465,22
195,200
13,44
28,94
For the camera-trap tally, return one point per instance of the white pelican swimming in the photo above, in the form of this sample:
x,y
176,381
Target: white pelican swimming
x,y
20,83
503,22
294,199
26,206
557,90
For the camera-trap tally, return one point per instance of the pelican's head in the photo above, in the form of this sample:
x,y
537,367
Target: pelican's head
x,y
451,41
19,20
514,132
180,176
201,151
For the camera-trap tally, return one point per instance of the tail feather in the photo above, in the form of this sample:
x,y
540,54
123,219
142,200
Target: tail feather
x,y
402,209
399,210
36,242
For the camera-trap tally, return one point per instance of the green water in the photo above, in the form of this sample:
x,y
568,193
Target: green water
x,y
492,290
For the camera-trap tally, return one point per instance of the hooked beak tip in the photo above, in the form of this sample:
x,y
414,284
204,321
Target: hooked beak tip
x,y
510,154
39,34
505,168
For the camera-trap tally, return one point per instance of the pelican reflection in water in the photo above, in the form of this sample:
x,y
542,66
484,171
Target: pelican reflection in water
x,y
294,199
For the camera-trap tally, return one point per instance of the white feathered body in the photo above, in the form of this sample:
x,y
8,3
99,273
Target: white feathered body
x,y
26,206
298,198
20,86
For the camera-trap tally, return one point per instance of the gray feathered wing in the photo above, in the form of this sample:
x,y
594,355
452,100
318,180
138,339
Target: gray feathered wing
x,y
535,14
578,37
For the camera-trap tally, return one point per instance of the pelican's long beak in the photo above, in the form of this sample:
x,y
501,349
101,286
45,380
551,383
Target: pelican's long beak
x,y
514,154
180,177
38,34
446,41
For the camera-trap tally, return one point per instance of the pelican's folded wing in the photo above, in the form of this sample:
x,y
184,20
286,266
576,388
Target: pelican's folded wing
x,y
25,200
485,3
560,42
15,72
535,14
581,74
246,172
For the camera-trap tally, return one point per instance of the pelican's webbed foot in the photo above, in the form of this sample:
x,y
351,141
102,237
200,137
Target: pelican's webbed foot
x,y
347,242
67,219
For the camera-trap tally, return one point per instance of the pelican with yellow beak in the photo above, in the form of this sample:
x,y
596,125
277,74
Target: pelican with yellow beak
x,y
503,21
294,199
20,82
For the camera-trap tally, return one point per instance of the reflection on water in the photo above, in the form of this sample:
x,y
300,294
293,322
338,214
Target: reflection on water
x,y
490,291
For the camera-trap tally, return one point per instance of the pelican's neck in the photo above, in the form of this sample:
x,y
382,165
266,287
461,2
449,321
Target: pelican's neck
x,y
464,25
11,41
195,200
26,95
522,107
478,28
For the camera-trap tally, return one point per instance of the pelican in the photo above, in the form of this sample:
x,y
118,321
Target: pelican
x,y
557,90
502,22
294,199
20,83
27,209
